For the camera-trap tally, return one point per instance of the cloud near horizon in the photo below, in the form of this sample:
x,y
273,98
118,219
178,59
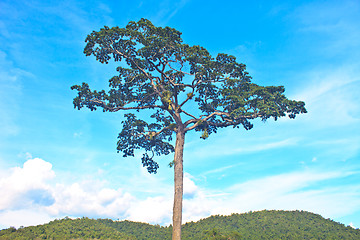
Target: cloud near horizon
x,y
33,197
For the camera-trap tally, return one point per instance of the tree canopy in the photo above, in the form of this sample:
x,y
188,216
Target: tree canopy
x,y
184,86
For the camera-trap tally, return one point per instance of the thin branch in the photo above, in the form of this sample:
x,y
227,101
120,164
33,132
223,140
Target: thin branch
x,y
189,96
154,134
190,115
142,70
115,109
166,76
178,70
162,72
135,108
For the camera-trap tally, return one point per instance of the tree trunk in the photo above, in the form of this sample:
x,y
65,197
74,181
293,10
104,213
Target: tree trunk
x,y
178,184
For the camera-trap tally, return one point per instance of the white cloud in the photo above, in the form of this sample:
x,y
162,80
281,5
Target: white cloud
x,y
337,22
352,225
190,188
289,191
10,92
332,97
281,192
168,9
151,210
27,185
221,169
284,182
158,209
77,134
31,198
30,189
23,217
227,145
80,200
267,146
29,192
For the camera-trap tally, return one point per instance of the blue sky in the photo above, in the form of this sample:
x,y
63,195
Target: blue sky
x,y
56,161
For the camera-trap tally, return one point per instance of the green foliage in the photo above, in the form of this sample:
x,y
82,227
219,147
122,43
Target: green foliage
x,y
269,225
171,164
133,136
216,234
140,230
205,134
252,225
161,74
82,228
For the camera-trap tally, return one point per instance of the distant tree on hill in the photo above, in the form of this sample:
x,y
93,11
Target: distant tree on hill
x,y
182,88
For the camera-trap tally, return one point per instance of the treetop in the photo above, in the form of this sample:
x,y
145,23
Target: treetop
x,y
159,72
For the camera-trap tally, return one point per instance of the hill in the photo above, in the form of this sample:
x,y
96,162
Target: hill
x,y
252,225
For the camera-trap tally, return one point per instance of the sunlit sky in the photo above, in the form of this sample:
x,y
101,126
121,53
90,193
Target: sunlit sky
x,y
56,161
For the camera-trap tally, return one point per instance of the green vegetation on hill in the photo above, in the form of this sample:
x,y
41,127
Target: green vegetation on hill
x,y
81,228
269,225
252,225
139,230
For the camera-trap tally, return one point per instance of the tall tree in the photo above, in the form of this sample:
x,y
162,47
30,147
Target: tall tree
x,y
185,89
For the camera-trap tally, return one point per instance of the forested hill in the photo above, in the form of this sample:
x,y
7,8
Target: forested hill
x,y
252,225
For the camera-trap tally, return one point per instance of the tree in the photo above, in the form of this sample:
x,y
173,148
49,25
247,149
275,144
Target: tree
x,y
183,87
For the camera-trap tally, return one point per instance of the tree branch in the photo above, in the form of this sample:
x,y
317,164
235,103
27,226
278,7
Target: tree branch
x,y
227,121
178,70
115,109
190,115
142,70
189,96
197,121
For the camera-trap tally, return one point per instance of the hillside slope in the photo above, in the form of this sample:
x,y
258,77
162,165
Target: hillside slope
x,y
81,228
252,225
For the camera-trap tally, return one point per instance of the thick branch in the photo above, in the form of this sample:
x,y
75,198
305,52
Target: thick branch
x,y
154,134
197,121
227,121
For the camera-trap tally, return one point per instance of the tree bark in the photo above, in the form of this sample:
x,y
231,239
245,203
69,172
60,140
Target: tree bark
x,y
178,183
